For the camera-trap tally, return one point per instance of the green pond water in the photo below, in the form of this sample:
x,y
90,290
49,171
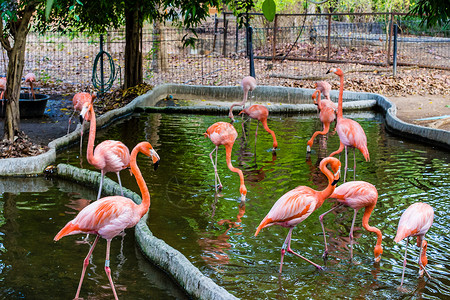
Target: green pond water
x,y
217,234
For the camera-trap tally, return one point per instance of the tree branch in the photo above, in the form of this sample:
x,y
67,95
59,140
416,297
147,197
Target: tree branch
x,y
4,41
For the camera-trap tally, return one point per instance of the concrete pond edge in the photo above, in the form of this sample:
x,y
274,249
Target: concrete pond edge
x,y
189,277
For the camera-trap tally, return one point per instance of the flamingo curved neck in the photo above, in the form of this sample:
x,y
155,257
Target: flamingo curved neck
x,y
90,147
365,222
324,194
145,204
228,149
266,127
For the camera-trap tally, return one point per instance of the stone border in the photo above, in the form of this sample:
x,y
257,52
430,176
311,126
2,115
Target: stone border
x,y
156,250
283,100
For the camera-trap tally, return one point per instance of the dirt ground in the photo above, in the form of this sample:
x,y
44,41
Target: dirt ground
x,y
412,108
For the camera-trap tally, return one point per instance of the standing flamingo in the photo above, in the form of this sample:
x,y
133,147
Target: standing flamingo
x,y
260,113
297,204
327,114
223,133
415,221
2,86
248,84
357,194
78,100
109,156
350,132
31,78
110,216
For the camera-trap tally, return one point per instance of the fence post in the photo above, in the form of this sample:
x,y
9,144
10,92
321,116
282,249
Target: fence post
x,y
274,39
391,24
225,33
329,38
250,50
395,50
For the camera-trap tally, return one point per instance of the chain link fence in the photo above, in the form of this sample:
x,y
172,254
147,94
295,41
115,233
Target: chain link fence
x,y
295,46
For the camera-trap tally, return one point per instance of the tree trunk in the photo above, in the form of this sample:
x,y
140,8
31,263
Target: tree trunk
x,y
16,56
133,52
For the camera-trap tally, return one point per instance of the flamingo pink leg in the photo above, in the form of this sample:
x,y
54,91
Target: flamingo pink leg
x,y
351,233
108,269
85,264
325,254
216,174
256,132
120,183
404,260
287,247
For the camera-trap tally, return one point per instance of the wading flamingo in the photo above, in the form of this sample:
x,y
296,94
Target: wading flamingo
x,y
110,216
327,114
297,204
31,78
223,133
260,113
415,221
350,132
108,156
357,194
248,84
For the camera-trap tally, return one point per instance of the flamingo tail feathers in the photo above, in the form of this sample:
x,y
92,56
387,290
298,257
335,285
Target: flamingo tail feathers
x,y
68,229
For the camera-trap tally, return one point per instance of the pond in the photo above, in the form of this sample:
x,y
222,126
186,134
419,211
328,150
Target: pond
x,y
217,234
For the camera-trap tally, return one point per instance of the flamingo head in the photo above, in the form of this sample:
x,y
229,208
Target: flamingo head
x,y
377,252
243,191
147,149
335,167
336,71
423,257
86,113
315,95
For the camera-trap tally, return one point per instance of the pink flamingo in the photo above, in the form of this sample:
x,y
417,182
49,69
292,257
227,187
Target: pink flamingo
x,y
325,88
327,114
223,133
350,132
31,78
109,156
248,84
78,100
297,204
2,89
415,221
357,194
260,113
110,216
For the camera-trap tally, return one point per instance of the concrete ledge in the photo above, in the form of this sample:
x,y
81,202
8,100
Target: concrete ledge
x,y
197,285
283,100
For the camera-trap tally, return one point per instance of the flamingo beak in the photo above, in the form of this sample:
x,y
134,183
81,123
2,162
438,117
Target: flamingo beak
x,y
155,158
337,176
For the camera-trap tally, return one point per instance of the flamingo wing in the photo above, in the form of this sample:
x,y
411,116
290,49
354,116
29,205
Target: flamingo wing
x,y
356,194
221,133
291,209
106,217
115,154
415,220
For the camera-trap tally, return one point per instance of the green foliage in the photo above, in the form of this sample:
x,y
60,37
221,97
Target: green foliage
x,y
269,10
432,12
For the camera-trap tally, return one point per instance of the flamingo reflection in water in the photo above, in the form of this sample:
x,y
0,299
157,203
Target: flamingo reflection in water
x,y
215,248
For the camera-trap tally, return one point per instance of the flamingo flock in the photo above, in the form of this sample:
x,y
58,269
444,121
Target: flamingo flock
x,y
109,216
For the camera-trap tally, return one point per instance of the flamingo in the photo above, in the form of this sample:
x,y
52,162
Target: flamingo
x,y
2,89
350,132
223,133
415,221
110,216
78,100
30,78
297,204
325,88
248,84
357,194
327,114
109,156
260,113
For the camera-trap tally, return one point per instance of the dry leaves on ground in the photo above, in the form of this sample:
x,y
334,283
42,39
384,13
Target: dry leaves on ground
x,y
21,147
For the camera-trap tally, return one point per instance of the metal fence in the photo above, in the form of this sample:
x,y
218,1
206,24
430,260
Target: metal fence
x,y
293,46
